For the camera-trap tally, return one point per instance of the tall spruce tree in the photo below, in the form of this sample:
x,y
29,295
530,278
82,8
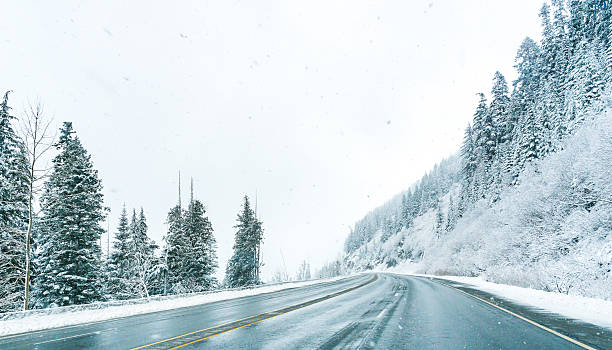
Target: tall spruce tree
x,y
469,164
526,89
177,245
119,260
13,211
503,122
499,108
68,262
243,267
201,258
485,141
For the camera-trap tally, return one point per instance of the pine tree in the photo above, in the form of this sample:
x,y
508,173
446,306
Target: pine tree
x,y
143,264
119,260
14,196
452,216
405,214
440,222
503,119
575,25
243,267
469,163
177,245
201,259
554,64
486,143
586,82
529,135
69,261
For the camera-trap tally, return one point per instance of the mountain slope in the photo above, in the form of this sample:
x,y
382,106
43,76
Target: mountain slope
x,y
553,231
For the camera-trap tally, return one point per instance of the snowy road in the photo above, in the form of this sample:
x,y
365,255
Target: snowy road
x,y
381,311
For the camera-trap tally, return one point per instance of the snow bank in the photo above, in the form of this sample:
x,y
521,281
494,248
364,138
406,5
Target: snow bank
x,y
21,322
591,310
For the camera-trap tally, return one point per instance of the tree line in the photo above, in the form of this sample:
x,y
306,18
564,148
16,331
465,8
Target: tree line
x,y
50,230
560,82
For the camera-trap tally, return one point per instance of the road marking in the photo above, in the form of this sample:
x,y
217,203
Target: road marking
x,y
233,325
210,336
190,333
69,337
75,336
571,340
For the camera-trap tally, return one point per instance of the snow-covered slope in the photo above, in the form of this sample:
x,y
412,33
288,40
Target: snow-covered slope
x,y
552,231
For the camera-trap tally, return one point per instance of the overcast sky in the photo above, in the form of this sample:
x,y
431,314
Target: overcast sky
x,y
325,109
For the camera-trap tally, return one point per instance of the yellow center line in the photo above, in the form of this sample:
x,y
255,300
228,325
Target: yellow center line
x,y
198,331
571,340
212,335
274,313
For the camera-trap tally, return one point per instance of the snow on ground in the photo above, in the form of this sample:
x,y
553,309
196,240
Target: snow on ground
x,y
591,310
44,321
595,311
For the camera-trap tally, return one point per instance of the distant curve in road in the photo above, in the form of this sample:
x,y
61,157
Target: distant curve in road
x,y
369,311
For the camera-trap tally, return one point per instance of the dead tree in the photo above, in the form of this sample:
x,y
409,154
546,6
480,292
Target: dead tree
x,y
35,132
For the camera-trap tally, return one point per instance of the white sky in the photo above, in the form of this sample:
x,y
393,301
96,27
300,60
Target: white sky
x,y
325,108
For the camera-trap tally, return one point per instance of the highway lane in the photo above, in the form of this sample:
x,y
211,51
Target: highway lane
x,y
376,311
137,330
394,312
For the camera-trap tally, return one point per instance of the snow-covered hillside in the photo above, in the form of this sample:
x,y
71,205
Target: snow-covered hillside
x,y
553,231
528,199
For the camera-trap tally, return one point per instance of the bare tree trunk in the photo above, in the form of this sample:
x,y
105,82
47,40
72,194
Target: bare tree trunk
x,y
37,140
28,238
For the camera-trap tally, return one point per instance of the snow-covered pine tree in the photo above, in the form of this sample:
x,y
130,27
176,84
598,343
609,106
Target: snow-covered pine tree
x,y
69,257
148,245
143,263
485,141
201,258
575,25
554,59
598,21
500,111
529,134
469,163
14,196
119,260
440,222
388,228
503,121
404,211
243,267
561,48
453,213
586,82
177,245
545,104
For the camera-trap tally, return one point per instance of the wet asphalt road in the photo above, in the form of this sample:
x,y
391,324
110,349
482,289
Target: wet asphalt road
x,y
373,311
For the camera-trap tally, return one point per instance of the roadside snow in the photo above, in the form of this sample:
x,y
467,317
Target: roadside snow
x,y
68,318
591,310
